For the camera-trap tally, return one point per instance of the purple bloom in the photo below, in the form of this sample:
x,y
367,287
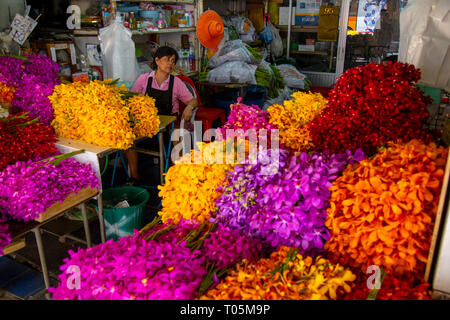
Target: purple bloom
x,y
288,207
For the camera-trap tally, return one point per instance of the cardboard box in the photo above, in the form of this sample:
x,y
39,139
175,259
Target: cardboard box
x,y
80,77
307,19
308,6
284,16
305,47
310,42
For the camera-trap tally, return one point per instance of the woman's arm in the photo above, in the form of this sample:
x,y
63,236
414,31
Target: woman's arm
x,y
190,107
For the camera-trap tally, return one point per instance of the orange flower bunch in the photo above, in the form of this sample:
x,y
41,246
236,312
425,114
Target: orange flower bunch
x,y
292,119
144,116
190,191
382,211
286,275
6,93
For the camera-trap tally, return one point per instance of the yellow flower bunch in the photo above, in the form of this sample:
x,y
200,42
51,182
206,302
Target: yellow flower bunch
x,y
144,116
190,191
286,275
93,112
292,117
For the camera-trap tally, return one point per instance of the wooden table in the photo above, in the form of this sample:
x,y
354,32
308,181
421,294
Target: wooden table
x,y
19,229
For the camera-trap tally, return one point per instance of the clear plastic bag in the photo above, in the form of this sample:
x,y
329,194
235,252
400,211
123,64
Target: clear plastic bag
x,y
291,76
234,50
118,52
285,94
233,72
276,46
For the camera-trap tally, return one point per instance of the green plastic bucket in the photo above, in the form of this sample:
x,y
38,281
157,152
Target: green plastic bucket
x,y
121,222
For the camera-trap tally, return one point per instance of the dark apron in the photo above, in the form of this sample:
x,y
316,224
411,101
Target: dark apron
x,y
163,99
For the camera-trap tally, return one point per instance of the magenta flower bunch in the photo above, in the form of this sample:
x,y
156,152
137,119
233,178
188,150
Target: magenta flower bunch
x,y
289,207
227,246
220,244
245,117
5,236
34,79
132,269
28,188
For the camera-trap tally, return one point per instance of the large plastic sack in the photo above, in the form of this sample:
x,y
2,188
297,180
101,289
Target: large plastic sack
x,y
291,76
234,50
276,46
285,94
425,40
242,24
118,52
233,72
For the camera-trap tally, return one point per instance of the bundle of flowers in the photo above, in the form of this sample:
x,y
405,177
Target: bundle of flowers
x,y
391,288
382,212
103,114
286,275
5,236
6,93
282,199
92,112
131,269
244,121
144,116
29,188
190,188
33,78
23,138
369,106
292,119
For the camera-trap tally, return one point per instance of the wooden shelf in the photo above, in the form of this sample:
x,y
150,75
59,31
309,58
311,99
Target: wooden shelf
x,y
299,28
166,30
95,32
323,53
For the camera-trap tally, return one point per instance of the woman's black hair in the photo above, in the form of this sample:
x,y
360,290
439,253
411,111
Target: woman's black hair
x,y
164,51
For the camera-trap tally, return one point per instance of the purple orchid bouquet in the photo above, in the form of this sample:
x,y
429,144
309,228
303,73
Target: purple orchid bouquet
x,y
131,269
29,188
5,236
288,207
34,78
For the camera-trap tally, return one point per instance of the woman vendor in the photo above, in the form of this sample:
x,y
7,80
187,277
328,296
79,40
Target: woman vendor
x,y
167,90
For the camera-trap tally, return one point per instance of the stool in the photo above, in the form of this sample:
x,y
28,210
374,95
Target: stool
x,y
208,115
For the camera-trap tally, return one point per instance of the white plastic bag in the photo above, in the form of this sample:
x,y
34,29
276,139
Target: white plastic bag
x,y
285,94
234,50
291,76
276,46
425,40
118,52
233,72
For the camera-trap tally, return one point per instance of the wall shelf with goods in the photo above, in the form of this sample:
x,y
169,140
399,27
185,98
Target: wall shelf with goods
x,y
169,34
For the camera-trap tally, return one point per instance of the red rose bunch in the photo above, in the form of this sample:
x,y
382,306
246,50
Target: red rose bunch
x,y
369,106
23,138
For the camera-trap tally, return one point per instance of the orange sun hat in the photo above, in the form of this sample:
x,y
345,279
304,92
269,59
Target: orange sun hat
x,y
210,29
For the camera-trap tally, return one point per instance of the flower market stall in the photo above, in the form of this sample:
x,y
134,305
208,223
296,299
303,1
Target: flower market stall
x,y
302,201
355,184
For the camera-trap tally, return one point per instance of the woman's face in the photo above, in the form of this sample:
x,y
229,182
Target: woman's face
x,y
166,63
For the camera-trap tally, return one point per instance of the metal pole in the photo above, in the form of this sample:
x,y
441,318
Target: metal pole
x,y
288,45
340,58
86,225
101,218
161,156
38,236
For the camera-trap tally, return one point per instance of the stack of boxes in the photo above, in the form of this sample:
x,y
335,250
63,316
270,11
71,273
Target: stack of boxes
x,y
305,13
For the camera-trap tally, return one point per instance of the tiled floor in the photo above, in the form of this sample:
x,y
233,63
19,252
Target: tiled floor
x,y
20,272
